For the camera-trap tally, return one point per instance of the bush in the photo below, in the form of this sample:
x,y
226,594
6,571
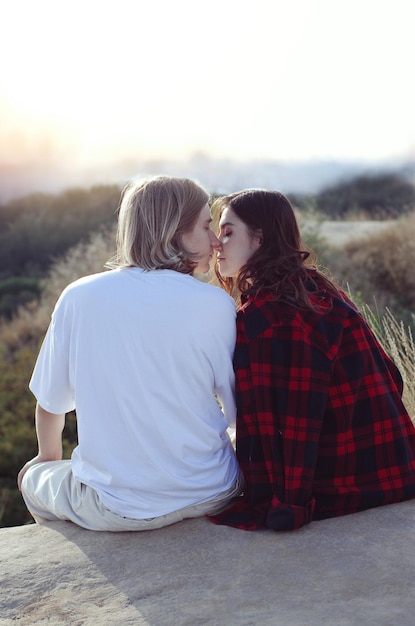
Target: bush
x,y
380,266
36,230
16,291
376,197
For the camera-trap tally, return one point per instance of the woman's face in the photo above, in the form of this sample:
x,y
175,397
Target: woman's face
x,y
237,244
201,241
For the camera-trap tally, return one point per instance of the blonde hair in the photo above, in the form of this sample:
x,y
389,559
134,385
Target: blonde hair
x,y
154,213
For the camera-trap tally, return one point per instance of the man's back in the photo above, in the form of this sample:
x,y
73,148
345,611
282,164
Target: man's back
x,y
146,351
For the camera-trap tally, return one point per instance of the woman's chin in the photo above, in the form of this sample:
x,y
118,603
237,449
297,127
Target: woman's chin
x,y
224,273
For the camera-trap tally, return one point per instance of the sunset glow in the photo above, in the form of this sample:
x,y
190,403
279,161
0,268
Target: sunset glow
x,y
95,82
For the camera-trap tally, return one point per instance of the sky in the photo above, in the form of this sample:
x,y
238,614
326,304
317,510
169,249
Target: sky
x,y
92,83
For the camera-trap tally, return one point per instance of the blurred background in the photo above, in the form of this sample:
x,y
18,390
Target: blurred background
x,y
313,98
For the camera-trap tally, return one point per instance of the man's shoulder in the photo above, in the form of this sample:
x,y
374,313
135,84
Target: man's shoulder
x,y
90,279
86,285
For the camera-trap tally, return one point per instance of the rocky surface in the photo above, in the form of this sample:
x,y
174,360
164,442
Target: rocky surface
x,y
357,569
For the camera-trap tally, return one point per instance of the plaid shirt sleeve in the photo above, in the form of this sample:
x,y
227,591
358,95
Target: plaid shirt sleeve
x,y
321,429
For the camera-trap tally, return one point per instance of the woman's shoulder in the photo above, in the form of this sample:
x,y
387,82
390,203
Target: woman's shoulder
x,y
323,326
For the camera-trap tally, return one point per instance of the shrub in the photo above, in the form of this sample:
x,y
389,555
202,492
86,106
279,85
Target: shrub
x,y
377,197
15,291
37,229
381,266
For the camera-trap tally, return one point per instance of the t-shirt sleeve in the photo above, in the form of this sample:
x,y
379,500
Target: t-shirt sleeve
x,y
50,381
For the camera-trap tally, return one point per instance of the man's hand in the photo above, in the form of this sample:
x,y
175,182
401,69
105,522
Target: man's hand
x,y
37,459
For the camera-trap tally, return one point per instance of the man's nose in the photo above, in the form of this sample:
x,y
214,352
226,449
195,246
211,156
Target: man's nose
x,y
214,241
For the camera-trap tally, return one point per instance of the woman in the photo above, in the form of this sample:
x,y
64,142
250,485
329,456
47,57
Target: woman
x,y
142,352
321,428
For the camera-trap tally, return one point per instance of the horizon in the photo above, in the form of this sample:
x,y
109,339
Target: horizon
x,y
217,175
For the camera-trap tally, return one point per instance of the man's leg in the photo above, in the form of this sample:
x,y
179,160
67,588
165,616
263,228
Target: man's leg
x,y
51,493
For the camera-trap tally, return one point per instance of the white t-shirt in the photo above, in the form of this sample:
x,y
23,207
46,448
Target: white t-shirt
x,y
141,355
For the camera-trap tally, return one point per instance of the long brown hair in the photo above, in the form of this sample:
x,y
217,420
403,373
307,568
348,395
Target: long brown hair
x,y
282,265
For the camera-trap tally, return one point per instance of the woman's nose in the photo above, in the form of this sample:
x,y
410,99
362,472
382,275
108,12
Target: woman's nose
x,y
214,241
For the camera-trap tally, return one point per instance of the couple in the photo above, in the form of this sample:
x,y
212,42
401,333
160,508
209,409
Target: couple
x,y
146,355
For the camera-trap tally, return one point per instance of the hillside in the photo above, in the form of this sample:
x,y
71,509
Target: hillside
x,y
367,257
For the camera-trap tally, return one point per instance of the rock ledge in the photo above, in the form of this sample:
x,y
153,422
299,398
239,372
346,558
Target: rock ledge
x,y
357,569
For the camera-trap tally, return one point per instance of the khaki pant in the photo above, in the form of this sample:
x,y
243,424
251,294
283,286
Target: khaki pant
x,y
52,493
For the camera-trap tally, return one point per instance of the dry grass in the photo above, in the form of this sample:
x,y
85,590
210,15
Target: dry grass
x,y
398,342
379,265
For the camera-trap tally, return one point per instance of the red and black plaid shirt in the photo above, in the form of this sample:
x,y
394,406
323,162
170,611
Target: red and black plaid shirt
x,y
321,428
